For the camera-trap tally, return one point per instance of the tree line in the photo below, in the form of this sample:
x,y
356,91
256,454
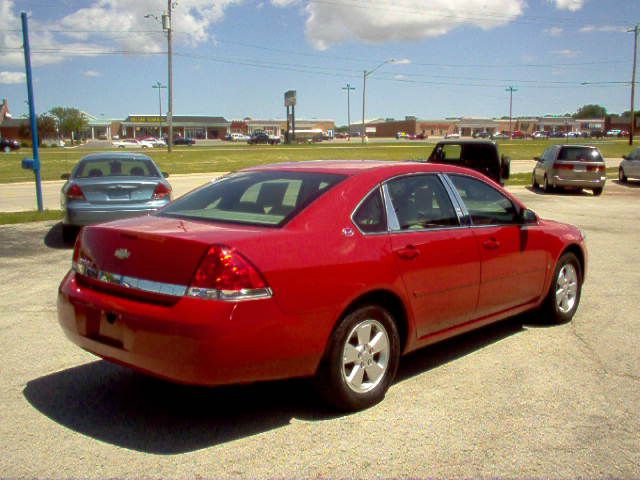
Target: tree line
x,y
66,122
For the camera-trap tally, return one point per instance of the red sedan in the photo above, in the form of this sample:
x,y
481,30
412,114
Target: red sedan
x,y
331,269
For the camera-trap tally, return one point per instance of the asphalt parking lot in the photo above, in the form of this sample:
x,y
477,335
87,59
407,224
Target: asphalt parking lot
x,y
516,399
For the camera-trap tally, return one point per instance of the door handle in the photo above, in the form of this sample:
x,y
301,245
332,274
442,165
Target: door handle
x,y
491,244
408,253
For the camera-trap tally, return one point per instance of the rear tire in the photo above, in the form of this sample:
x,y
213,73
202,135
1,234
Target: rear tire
x,y
69,233
622,178
361,359
597,191
563,298
545,185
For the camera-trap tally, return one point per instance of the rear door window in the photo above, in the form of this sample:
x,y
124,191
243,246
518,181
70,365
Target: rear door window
x,y
485,204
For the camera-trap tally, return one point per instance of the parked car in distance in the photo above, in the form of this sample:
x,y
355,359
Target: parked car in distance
x,y
483,134
629,167
7,145
500,135
132,143
111,185
518,134
479,155
570,166
614,133
299,270
237,137
263,138
156,142
540,134
452,135
184,141
558,134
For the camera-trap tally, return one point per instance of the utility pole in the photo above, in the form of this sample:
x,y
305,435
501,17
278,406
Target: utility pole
x,y
364,88
633,82
166,25
511,90
348,88
159,86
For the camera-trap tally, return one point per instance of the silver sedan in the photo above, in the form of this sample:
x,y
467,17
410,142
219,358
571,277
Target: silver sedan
x,y
630,166
111,185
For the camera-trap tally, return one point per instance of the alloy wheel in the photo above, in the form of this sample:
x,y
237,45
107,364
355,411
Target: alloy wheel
x,y
365,356
566,288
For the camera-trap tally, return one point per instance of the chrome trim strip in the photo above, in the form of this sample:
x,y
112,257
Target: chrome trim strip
x,y
393,225
170,289
458,204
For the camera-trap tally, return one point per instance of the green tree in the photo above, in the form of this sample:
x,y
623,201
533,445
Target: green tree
x,y
46,126
591,111
71,120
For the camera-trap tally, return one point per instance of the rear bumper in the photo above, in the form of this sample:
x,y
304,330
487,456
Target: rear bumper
x,y
192,341
81,216
559,181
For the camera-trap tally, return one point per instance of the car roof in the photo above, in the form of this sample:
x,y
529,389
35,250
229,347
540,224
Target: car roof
x,y
359,167
469,140
116,155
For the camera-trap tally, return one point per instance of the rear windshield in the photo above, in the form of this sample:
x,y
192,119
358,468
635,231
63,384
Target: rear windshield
x,y
580,154
255,198
116,167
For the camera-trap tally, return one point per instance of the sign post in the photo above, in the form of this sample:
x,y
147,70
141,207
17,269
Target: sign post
x,y
290,101
34,163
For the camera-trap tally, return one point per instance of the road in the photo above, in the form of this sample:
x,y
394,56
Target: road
x,y
16,197
516,399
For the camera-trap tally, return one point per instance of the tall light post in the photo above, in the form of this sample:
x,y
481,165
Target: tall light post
x,y
348,88
633,82
166,26
366,74
511,90
159,86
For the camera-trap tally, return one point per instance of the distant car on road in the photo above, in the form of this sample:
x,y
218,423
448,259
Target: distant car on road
x,y
558,134
614,133
132,143
111,185
156,142
452,135
629,167
540,134
237,137
484,134
184,141
518,134
570,166
500,136
263,138
7,145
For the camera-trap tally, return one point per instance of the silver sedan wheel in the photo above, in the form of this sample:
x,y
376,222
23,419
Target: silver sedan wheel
x,y
566,288
365,356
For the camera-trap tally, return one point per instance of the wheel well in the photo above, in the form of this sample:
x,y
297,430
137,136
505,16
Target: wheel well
x,y
392,303
577,251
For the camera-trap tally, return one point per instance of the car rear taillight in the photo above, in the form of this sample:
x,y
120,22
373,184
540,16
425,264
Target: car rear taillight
x,y
563,166
596,168
75,192
224,274
82,263
161,191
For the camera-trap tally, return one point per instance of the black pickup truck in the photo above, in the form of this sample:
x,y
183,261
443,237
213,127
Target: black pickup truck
x,y
480,155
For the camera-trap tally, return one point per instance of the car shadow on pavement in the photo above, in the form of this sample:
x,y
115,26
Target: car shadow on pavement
x,y
628,183
53,238
116,405
563,192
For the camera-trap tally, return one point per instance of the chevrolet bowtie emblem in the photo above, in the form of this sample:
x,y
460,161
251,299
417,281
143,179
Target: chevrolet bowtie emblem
x,y
122,253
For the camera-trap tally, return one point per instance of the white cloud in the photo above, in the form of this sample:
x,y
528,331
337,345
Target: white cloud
x,y
567,52
12,77
92,73
603,28
108,25
554,31
571,5
400,77
379,21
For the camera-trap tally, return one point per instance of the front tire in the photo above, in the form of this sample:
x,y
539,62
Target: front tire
x,y
622,178
361,359
563,298
534,184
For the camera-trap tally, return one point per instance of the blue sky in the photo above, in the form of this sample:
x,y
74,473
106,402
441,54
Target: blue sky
x,y
236,58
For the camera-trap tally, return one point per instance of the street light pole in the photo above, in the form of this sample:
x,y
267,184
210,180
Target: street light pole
x,y
348,88
633,82
511,90
159,86
166,25
364,91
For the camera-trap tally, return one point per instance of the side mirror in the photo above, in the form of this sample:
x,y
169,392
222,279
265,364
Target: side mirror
x,y
528,217
537,159
65,176
165,174
625,157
